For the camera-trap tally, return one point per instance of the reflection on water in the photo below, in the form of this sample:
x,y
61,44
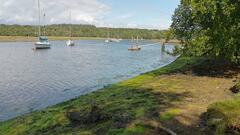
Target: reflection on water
x,y
31,80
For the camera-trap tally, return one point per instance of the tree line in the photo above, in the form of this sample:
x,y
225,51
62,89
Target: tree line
x,y
80,31
208,28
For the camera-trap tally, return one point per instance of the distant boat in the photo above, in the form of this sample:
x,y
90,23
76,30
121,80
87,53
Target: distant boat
x,y
108,40
112,40
134,46
70,42
115,40
42,42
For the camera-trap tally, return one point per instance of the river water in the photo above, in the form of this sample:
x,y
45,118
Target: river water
x,y
32,80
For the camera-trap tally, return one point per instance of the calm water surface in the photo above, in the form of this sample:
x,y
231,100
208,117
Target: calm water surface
x,y
32,80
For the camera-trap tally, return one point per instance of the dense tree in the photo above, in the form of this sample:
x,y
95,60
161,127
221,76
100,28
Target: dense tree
x,y
80,31
211,28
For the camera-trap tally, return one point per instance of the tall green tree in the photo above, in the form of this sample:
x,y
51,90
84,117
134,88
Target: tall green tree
x,y
209,27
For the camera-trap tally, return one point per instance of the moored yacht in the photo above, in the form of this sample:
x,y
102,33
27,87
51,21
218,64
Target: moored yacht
x,y
42,42
70,42
112,40
135,46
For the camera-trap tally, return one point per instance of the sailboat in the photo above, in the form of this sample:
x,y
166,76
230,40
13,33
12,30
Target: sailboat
x,y
70,41
112,40
108,38
42,42
134,47
115,40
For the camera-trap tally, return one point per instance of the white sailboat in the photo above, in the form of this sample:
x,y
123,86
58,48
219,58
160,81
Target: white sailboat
x,y
70,42
42,42
108,38
115,40
107,41
112,40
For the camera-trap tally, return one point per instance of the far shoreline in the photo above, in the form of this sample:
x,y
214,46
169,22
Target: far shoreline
x,y
33,39
54,38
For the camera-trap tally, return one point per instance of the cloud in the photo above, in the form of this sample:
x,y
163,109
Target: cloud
x,y
57,11
125,16
83,12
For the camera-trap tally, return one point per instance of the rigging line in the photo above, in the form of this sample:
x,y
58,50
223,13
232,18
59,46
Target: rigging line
x,y
149,44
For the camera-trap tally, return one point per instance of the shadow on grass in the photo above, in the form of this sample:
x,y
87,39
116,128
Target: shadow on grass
x,y
216,68
123,105
201,66
127,104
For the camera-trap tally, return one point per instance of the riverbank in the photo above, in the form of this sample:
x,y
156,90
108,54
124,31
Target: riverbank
x,y
33,39
52,38
172,98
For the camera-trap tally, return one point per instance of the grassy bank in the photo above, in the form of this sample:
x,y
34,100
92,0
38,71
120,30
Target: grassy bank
x,y
170,98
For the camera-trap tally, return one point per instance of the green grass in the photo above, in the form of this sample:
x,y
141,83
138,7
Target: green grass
x,y
238,85
126,102
135,130
169,114
225,115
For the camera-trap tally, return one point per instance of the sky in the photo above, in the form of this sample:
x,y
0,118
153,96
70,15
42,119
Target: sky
x,y
149,14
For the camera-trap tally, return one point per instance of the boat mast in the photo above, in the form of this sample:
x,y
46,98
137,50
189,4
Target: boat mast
x,y
44,25
70,24
108,34
39,19
132,41
137,41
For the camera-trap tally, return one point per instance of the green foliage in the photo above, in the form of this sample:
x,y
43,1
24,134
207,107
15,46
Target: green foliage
x,y
169,34
183,24
80,31
209,28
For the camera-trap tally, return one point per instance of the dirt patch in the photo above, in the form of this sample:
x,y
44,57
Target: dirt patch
x,y
184,116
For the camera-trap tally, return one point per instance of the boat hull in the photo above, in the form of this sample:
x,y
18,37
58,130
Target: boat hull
x,y
134,49
70,43
39,45
137,48
112,40
115,40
